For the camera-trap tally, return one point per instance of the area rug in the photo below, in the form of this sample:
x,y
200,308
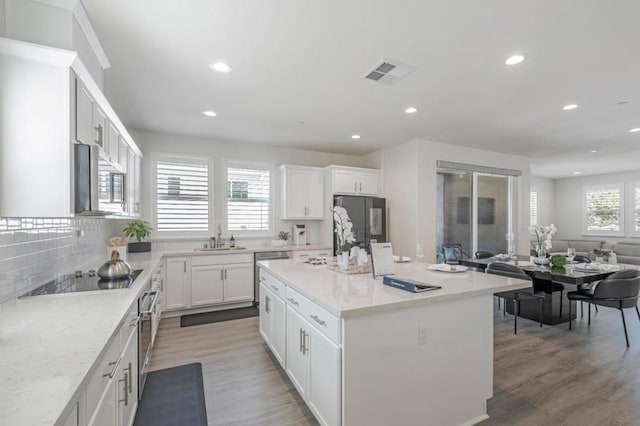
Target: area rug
x,y
218,316
173,396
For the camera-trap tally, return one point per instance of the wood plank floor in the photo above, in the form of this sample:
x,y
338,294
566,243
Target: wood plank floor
x,y
542,376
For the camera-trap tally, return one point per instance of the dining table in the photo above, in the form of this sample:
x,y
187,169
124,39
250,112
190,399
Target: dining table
x,y
553,282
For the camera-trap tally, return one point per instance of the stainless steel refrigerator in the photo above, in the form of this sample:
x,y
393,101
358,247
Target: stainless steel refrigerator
x,y
368,215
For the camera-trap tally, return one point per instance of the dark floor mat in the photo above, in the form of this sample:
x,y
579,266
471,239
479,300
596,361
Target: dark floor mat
x,y
218,316
173,396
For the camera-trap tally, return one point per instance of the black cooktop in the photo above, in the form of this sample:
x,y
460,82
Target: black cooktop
x,y
73,284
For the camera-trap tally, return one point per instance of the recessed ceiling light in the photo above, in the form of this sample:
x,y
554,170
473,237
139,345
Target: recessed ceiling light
x,y
411,110
576,173
593,151
637,129
221,67
570,107
209,113
514,60
355,136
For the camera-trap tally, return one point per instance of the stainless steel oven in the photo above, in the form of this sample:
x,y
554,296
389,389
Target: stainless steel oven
x,y
146,311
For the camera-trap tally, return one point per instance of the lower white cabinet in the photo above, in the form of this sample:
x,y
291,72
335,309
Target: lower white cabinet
x,y
207,280
112,394
272,322
176,290
313,365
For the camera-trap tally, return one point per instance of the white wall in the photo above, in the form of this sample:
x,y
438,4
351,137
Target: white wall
x,y
545,188
2,18
410,170
568,202
175,144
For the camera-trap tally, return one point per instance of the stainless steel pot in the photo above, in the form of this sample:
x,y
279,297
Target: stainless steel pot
x,y
115,268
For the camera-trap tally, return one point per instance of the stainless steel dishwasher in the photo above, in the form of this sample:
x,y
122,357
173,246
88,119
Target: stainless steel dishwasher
x,y
265,255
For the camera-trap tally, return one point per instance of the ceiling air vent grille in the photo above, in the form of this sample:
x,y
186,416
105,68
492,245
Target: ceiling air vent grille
x,y
388,72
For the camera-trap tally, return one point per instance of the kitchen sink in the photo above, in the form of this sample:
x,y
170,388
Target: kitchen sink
x,y
220,249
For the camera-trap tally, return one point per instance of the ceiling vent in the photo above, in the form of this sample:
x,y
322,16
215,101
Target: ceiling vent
x,y
389,72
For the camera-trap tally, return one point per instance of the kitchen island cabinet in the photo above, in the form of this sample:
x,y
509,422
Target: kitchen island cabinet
x,y
360,352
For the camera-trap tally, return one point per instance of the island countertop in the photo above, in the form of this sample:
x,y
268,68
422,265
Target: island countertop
x,y
348,295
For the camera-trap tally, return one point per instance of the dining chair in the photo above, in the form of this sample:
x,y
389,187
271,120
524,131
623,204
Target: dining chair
x,y
620,290
584,259
581,259
512,271
482,254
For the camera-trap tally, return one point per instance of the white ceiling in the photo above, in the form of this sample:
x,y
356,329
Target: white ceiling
x,y
302,61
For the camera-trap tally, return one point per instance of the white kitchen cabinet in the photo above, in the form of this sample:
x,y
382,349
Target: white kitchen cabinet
x,y
207,284
297,360
106,413
302,192
127,384
178,283
73,418
113,144
84,114
52,100
355,181
238,282
324,393
133,182
123,155
100,123
272,322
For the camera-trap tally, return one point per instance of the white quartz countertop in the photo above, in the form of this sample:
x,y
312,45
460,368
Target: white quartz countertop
x,y
199,252
347,295
50,346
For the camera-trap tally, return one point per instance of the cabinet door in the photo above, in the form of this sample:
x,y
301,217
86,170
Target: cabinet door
x,y
72,419
105,414
127,387
296,194
123,155
315,195
297,360
177,283
368,183
278,328
113,141
84,114
206,284
345,182
238,282
137,186
99,127
324,394
266,312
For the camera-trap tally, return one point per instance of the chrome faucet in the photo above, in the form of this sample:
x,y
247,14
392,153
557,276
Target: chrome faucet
x,y
219,242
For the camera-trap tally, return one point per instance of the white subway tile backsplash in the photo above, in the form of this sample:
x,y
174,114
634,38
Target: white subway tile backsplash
x,y
36,250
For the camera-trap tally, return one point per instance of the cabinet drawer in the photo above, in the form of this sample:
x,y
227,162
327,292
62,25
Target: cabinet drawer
x,y
221,259
327,323
304,255
272,284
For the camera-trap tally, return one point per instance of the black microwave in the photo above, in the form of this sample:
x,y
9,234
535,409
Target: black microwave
x,y
99,187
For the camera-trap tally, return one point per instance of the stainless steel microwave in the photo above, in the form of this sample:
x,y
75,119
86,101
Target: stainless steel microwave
x,y
100,188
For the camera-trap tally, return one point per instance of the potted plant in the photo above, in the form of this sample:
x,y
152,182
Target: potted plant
x,y
140,229
281,239
600,254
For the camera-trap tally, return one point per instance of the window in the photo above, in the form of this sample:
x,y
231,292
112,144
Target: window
x,y
182,195
533,208
603,210
634,209
248,198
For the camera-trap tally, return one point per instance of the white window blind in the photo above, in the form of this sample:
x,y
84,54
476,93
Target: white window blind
x,y
636,209
603,209
182,189
248,196
533,208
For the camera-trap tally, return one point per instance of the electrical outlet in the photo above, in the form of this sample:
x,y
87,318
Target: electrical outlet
x,y
422,335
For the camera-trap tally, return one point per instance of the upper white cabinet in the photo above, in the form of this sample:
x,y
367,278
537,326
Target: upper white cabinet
x,y
302,192
51,102
356,181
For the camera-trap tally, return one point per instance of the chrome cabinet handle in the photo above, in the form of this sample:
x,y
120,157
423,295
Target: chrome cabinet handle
x,y
129,376
293,301
225,274
275,288
266,302
355,186
318,320
301,344
112,373
221,274
305,348
360,186
185,266
126,393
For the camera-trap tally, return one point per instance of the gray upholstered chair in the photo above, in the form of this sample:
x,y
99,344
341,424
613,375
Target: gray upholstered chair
x,y
482,254
525,294
620,290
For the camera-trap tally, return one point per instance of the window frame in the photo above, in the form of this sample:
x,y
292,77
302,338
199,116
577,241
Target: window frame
x,y
533,213
226,164
189,159
622,221
631,217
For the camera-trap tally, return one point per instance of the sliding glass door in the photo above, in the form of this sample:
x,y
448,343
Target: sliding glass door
x,y
474,212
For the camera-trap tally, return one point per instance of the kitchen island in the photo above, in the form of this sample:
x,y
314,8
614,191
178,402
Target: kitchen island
x,y
360,352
